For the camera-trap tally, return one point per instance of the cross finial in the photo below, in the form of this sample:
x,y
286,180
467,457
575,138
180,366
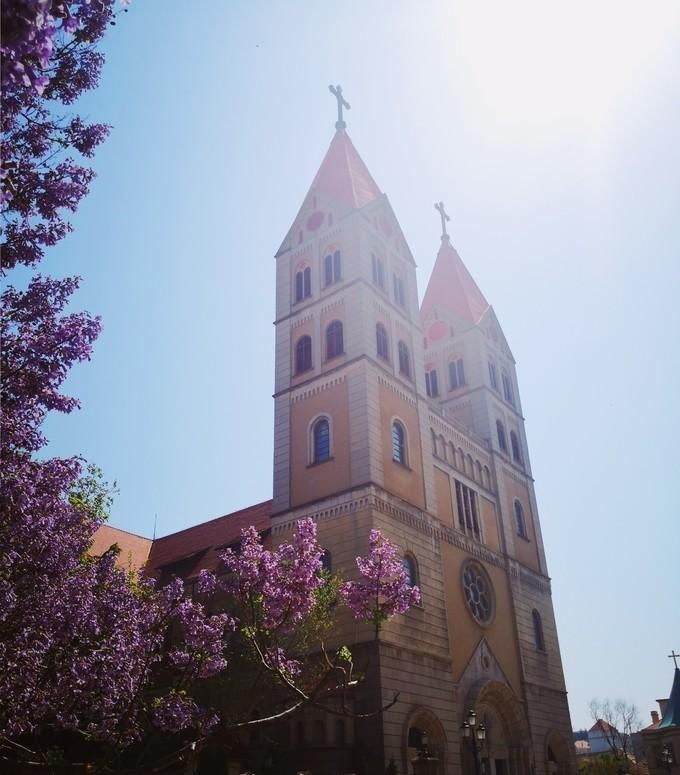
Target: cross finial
x,y
336,91
674,657
439,206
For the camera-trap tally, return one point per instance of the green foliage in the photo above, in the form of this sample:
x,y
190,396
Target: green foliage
x,y
92,494
607,764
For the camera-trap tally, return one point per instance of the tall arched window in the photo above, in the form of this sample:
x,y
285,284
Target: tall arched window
x,y
514,445
431,386
456,374
507,389
381,343
303,284
500,430
334,344
326,560
303,354
332,268
340,732
409,565
520,524
398,443
539,640
404,360
321,441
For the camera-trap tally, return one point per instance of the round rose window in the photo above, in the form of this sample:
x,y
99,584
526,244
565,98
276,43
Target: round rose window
x,y
478,592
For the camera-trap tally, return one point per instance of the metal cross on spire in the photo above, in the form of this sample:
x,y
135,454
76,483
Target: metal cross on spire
x,y
674,657
439,206
336,91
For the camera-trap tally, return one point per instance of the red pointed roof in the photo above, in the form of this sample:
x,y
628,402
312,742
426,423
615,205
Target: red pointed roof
x,y
451,287
343,176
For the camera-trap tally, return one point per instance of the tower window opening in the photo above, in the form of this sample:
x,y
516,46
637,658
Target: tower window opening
x,y
539,640
456,373
334,343
520,524
381,342
514,445
399,293
431,385
398,443
409,566
321,440
500,431
332,268
493,376
404,360
378,270
303,284
326,561
303,354
468,510
507,389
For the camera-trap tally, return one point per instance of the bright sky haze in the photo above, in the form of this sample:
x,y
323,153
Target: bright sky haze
x,y
551,133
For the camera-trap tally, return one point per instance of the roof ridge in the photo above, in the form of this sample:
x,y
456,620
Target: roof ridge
x,y
215,519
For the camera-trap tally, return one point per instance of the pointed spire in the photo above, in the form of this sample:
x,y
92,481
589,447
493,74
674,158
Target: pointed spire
x,y
671,716
343,178
452,288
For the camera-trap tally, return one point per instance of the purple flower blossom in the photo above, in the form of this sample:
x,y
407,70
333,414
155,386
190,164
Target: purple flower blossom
x,y
385,590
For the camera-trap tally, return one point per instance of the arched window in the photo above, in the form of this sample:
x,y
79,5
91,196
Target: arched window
x,y
303,284
300,733
319,732
434,442
514,445
303,354
539,640
520,524
381,343
431,385
404,360
340,736
334,344
507,389
442,447
456,374
409,565
478,471
500,430
486,477
321,441
332,268
326,560
398,443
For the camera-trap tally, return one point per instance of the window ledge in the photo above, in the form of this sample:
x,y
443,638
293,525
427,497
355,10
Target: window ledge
x,y
403,465
524,538
320,462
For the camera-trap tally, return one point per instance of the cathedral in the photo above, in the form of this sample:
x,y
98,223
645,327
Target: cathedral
x,y
406,418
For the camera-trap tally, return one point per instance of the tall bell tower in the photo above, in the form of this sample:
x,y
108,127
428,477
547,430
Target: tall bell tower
x,y
408,420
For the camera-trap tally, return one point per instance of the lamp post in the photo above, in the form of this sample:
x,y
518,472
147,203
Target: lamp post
x,y
476,735
667,757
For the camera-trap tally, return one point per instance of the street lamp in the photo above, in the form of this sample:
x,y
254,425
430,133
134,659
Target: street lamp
x,y
476,735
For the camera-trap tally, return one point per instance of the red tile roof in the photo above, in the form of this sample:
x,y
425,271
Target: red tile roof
x,y
451,287
196,547
134,549
343,174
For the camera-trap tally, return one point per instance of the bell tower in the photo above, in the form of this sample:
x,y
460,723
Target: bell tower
x,y
346,313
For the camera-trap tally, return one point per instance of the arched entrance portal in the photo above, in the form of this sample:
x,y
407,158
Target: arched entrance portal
x,y
422,723
557,755
507,747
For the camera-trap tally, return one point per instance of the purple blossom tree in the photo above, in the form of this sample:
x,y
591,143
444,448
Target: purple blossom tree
x,y
96,661
49,59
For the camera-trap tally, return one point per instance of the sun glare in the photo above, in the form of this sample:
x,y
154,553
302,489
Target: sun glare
x,y
540,64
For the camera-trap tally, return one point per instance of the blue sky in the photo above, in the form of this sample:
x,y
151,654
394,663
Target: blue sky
x,y
551,134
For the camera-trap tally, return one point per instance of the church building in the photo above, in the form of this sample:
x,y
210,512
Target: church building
x,y
407,418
